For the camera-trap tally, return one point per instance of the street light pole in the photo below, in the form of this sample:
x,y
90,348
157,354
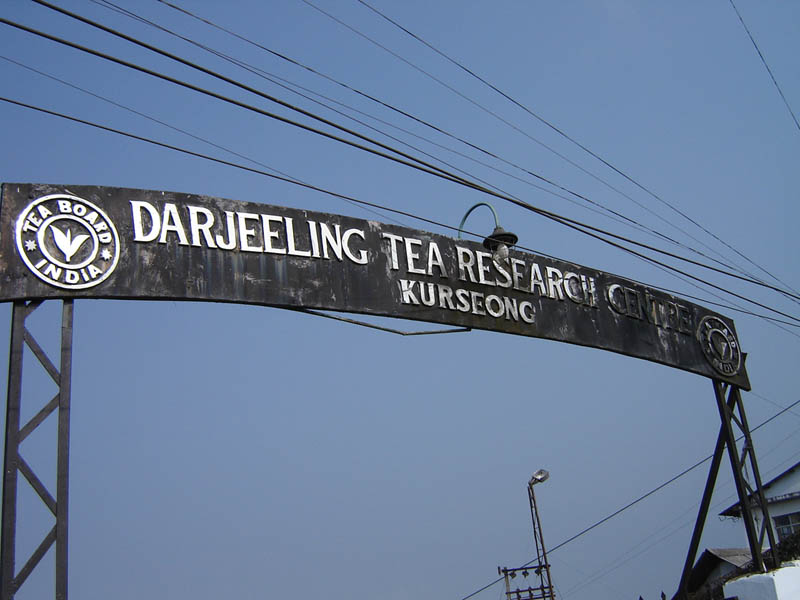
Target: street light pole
x,y
539,566
543,569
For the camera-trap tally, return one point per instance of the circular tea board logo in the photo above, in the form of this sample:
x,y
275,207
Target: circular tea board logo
x,y
720,346
67,241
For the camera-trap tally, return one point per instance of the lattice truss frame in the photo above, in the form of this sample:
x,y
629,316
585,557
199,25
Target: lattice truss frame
x,y
15,463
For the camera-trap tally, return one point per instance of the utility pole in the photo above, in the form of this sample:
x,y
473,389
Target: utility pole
x,y
541,586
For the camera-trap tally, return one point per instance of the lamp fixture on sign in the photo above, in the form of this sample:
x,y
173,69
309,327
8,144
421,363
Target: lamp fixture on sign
x,y
499,241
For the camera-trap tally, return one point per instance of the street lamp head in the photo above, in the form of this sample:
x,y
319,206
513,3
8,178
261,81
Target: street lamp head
x,y
499,242
540,476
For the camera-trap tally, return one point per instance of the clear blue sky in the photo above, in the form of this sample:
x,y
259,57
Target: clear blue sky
x,y
244,452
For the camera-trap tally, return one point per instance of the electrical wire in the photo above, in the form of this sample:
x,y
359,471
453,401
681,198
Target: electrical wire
x,y
297,182
370,207
449,135
177,129
359,33
374,211
631,222
428,167
634,502
293,87
261,94
231,164
480,106
286,179
766,66
470,100
252,69
286,85
138,113
574,141
422,166
724,501
729,306
319,189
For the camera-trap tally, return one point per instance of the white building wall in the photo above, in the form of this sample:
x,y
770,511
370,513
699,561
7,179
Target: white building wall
x,y
784,508
790,484
787,485
781,584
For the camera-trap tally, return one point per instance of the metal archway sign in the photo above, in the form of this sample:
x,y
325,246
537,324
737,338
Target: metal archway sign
x,y
101,242
70,242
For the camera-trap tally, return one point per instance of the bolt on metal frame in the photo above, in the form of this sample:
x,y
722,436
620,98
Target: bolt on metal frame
x,y
14,463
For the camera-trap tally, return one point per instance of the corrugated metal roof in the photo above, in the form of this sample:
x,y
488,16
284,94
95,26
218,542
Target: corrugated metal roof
x,y
738,557
711,558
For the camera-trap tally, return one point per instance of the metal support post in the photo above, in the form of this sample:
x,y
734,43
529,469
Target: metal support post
x,y
14,463
543,569
751,497
540,566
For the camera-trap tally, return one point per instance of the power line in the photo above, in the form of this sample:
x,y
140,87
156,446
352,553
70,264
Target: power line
x,y
470,100
292,87
221,77
422,166
633,503
473,102
172,127
369,206
289,86
357,32
285,178
429,168
425,167
495,156
729,306
417,120
136,112
408,115
766,66
571,139
630,553
725,501
256,71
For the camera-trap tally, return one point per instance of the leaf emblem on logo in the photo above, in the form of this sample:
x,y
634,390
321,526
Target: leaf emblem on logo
x,y
65,243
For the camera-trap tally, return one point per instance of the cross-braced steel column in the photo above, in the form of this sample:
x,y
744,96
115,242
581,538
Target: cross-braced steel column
x,y
14,463
751,496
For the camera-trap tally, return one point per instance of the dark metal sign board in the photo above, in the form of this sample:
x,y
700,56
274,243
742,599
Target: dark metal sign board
x,y
100,242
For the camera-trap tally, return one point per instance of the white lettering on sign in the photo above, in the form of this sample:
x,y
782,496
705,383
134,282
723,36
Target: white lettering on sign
x,y
425,293
417,257
421,257
248,232
478,267
411,251
642,306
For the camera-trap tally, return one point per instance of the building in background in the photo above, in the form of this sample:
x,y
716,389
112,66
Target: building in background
x,y
713,566
783,499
